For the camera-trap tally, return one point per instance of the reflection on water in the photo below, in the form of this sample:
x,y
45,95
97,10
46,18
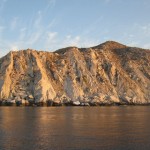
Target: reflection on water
x,y
73,128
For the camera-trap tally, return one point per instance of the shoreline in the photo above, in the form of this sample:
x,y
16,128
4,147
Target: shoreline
x,y
71,105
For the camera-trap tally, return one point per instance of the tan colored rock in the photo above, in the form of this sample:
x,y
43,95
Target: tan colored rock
x,y
109,72
31,96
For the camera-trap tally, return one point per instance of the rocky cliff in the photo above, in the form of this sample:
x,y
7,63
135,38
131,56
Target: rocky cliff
x,y
107,73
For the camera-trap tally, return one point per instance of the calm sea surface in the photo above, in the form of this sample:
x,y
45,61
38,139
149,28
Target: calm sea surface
x,y
75,128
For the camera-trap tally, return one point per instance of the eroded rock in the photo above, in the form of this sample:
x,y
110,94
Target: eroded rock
x,y
104,74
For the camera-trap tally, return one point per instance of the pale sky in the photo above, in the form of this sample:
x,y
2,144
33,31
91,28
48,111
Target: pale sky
x,y
53,24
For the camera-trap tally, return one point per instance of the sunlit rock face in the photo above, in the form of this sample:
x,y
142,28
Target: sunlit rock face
x,y
109,72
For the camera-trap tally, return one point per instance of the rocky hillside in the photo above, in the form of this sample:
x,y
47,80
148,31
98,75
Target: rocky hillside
x,y
107,73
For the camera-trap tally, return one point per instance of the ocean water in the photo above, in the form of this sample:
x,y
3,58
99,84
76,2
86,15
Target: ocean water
x,y
75,128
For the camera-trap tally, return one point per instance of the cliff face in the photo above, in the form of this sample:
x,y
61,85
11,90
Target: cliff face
x,y
110,72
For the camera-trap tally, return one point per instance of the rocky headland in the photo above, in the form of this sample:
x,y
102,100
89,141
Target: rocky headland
x,y
108,74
